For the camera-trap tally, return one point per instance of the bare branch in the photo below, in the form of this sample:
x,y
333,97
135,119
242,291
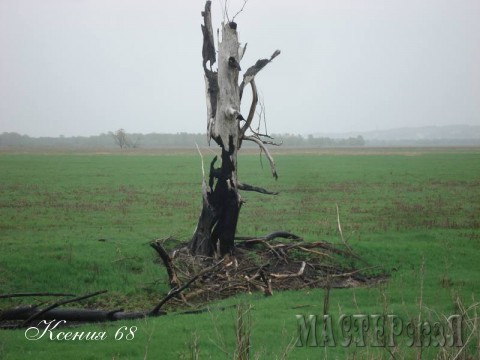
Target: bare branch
x,y
239,11
241,51
261,116
256,133
271,236
226,11
201,157
284,276
267,153
177,291
247,187
253,70
60,303
251,114
167,261
266,142
339,226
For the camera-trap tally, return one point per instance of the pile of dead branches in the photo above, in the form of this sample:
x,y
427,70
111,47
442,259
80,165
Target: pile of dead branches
x,y
265,264
259,264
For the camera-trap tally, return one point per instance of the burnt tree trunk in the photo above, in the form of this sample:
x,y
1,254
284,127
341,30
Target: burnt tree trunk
x,y
221,205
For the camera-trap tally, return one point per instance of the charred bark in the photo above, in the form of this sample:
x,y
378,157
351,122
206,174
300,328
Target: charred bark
x,y
217,224
227,202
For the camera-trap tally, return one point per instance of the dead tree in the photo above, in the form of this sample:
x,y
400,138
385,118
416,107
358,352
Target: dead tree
x,y
276,265
228,128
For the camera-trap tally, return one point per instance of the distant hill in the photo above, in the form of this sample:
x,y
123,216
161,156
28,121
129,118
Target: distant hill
x,y
426,135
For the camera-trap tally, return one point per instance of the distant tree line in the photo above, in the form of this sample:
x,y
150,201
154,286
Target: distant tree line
x,y
312,141
121,139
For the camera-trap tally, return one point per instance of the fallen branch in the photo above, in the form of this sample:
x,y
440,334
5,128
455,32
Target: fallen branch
x,y
60,303
268,282
70,314
314,251
167,261
268,237
175,292
285,276
242,272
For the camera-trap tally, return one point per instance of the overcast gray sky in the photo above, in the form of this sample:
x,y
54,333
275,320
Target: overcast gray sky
x,y
83,67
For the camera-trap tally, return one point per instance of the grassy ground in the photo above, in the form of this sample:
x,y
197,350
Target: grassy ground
x,y
413,212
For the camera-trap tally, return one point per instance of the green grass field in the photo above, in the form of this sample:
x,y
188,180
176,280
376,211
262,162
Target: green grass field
x,y
414,213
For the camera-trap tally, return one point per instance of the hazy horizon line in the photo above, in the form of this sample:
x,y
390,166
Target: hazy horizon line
x,y
359,132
